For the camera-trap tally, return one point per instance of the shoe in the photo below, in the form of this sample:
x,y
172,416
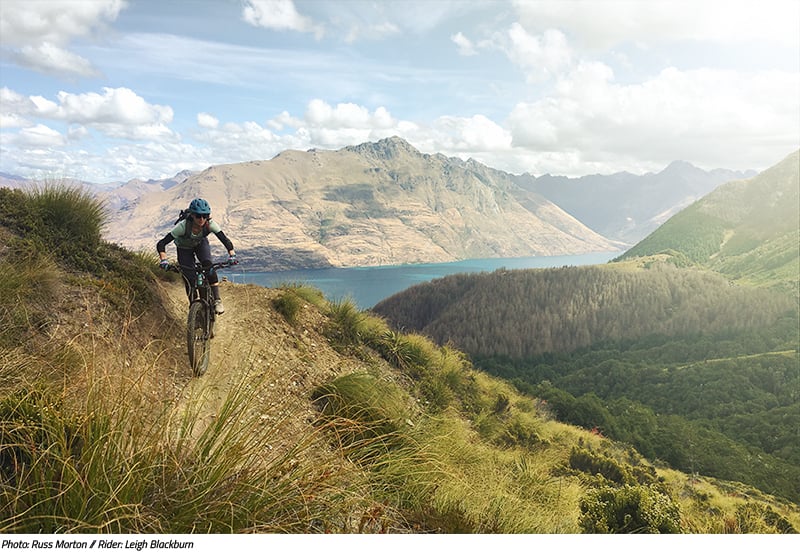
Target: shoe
x,y
218,307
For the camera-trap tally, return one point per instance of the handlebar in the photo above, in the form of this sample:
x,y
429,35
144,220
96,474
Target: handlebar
x,y
199,267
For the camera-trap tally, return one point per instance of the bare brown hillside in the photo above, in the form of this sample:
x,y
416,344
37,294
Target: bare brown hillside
x,y
381,203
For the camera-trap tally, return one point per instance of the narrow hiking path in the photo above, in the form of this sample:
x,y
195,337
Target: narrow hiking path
x,y
256,353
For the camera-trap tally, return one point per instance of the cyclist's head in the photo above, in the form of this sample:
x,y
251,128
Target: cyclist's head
x,y
200,207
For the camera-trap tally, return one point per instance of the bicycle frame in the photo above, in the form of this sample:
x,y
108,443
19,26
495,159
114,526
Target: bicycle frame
x,y
200,323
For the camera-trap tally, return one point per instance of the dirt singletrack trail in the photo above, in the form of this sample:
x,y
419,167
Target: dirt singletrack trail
x,y
257,352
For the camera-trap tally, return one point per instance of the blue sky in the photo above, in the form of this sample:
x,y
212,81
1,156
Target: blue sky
x,y
111,90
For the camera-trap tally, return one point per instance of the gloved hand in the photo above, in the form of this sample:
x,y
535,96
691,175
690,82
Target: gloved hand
x,y
232,260
163,264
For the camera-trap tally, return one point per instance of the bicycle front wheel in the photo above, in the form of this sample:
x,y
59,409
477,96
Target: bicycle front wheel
x,y
197,338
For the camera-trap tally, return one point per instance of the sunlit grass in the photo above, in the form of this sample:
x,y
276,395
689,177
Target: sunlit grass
x,y
112,462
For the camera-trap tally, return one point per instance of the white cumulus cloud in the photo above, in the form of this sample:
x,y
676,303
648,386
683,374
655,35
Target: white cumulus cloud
x,y
40,136
207,120
469,135
540,57
605,24
320,114
119,112
675,115
281,15
36,34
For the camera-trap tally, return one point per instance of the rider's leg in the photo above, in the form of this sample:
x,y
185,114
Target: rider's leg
x,y
218,306
186,262
203,252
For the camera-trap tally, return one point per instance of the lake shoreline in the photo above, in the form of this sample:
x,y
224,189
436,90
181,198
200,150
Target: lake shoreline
x,y
367,286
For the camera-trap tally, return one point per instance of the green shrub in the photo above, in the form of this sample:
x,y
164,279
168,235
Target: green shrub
x,y
288,304
629,509
593,463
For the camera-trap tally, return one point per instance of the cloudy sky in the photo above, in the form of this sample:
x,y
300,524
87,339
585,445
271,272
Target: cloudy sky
x,y
111,90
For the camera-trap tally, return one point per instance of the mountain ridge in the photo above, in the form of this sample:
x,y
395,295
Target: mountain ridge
x,y
312,417
627,207
382,203
446,209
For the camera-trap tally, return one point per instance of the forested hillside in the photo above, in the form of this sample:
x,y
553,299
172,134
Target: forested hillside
x,y
686,347
524,313
748,230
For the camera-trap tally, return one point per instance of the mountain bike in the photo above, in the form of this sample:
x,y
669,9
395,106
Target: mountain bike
x,y
200,323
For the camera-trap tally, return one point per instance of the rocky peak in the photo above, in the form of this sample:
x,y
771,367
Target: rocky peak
x,y
386,148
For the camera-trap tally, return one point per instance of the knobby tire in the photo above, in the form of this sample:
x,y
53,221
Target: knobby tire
x,y
198,339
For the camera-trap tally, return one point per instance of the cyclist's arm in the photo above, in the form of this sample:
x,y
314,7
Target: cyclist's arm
x,y
161,246
226,242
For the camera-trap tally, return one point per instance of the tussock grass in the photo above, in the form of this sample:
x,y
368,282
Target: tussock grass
x,y
499,490
288,304
410,352
294,295
109,462
437,472
60,205
349,329
27,284
362,408
307,292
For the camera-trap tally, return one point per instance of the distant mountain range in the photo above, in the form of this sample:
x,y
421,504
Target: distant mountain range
x,y
628,207
386,203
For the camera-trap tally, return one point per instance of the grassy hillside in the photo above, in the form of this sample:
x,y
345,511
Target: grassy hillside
x,y
695,330
693,355
747,230
314,417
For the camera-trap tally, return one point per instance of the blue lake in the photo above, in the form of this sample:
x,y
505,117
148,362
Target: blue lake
x,y
367,286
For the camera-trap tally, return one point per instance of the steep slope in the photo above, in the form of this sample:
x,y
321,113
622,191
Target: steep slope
x,y
378,203
271,368
749,230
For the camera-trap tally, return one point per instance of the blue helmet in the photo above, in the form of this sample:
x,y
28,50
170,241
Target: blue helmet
x,y
200,207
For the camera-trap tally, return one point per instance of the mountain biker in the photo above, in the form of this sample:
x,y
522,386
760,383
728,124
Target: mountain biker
x,y
191,239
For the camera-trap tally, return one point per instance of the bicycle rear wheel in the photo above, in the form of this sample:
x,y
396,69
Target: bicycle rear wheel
x,y
197,338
